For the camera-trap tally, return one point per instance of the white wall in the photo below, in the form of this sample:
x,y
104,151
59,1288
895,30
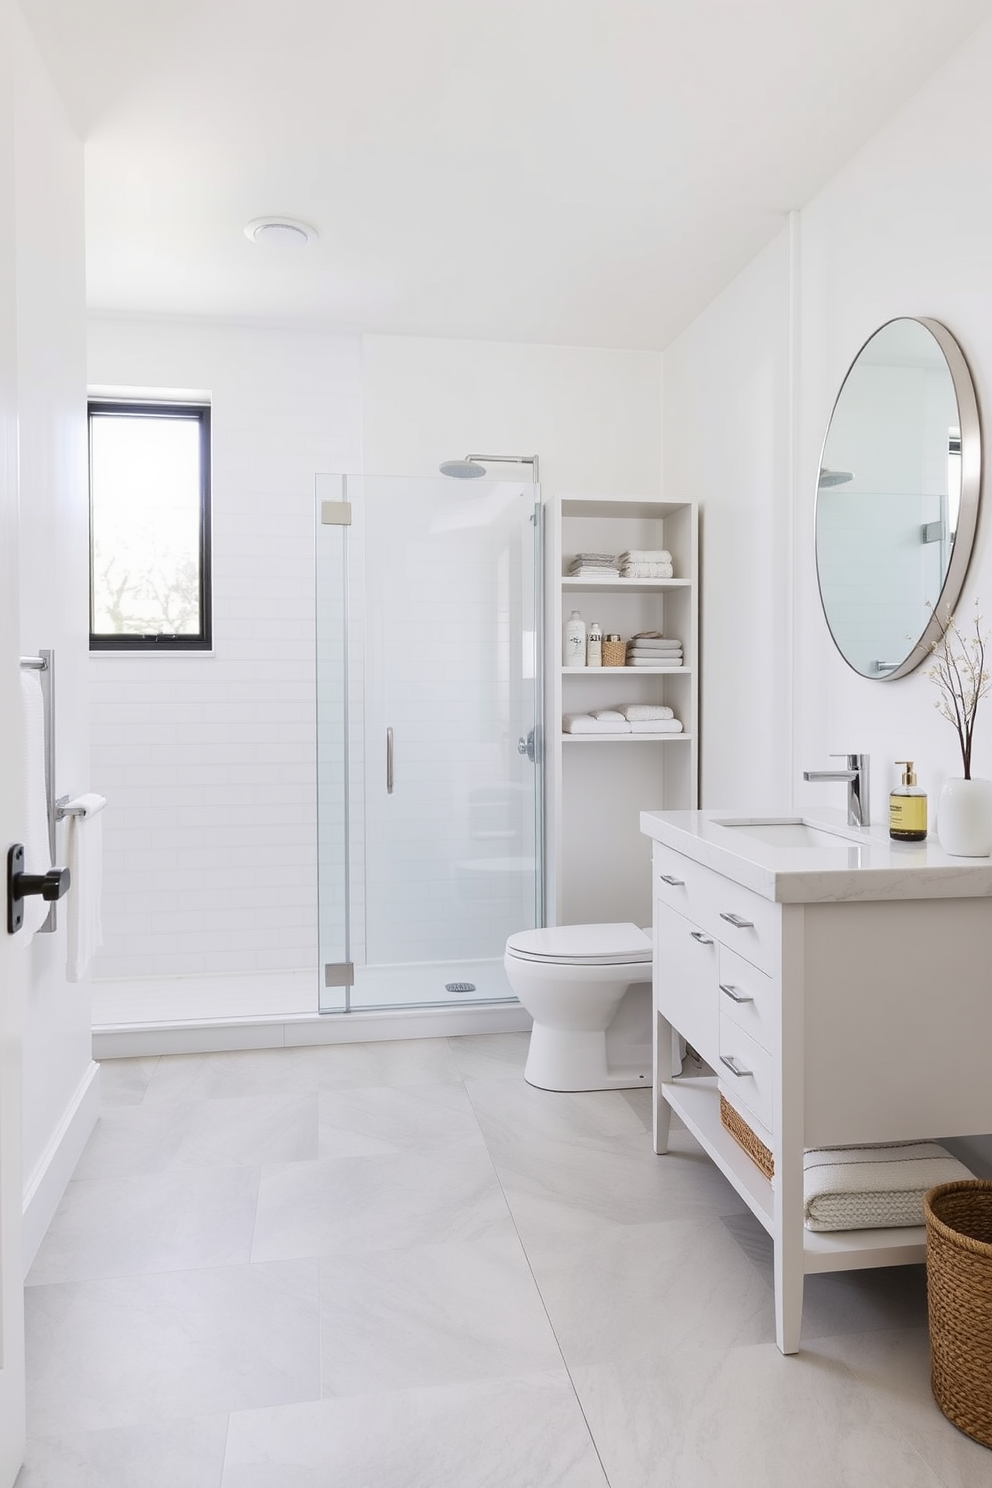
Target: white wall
x,y
207,761
61,1095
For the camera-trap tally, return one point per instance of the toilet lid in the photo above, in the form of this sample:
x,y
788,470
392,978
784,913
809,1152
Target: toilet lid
x,y
589,944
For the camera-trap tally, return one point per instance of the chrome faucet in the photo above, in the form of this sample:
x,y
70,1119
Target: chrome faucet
x,y
856,776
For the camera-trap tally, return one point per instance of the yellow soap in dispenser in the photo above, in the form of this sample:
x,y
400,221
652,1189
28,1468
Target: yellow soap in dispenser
x,y
908,808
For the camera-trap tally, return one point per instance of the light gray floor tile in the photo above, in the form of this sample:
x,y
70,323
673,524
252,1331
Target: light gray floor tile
x,y
134,1350
510,1111
893,1366
431,1315
390,1119
649,1291
491,1056
358,1204
123,1082
217,1133
165,1222
516,1433
563,1194
176,1454
750,1417
302,1069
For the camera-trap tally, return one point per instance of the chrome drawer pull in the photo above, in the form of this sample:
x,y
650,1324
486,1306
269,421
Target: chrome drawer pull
x,y
734,993
676,883
703,939
730,1061
737,922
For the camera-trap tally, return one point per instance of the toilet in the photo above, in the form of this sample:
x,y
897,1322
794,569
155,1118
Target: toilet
x,y
588,989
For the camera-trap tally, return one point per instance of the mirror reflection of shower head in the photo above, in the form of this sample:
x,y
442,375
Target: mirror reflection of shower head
x,y
834,477
474,465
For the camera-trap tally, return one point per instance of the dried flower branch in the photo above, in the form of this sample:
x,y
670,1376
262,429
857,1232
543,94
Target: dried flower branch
x,y
959,672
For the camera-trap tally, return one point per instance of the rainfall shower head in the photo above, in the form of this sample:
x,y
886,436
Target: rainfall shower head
x,y
834,477
462,469
474,465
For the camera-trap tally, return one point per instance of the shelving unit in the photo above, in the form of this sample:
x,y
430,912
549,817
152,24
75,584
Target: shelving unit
x,y
600,865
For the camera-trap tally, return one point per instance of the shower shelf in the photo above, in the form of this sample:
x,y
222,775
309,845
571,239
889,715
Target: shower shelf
x,y
626,738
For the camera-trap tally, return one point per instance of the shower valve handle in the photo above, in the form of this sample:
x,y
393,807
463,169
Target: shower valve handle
x,y
20,886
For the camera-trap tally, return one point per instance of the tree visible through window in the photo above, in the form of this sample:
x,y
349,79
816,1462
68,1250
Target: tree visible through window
x,y
149,526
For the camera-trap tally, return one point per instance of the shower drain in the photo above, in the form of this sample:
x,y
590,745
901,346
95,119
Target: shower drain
x,y
459,986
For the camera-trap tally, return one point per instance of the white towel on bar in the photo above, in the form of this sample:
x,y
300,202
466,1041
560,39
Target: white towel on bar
x,y
84,854
655,726
37,856
584,723
857,1188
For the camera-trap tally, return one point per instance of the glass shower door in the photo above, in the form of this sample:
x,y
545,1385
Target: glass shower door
x,y
439,753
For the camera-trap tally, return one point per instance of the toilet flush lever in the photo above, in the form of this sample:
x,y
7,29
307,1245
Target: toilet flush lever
x,y
20,886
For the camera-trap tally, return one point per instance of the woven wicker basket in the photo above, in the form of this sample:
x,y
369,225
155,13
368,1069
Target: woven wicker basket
x,y
746,1138
959,1297
614,653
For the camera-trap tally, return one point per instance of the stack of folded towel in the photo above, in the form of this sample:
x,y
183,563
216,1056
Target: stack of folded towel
x,y
626,718
646,563
857,1188
594,566
649,648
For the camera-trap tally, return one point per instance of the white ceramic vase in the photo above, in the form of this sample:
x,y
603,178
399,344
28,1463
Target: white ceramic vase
x,y
964,818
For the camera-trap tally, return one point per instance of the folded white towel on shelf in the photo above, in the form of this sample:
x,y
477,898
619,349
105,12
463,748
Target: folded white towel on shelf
x,y
646,571
855,1188
610,559
614,715
639,712
646,555
654,648
584,723
84,854
672,662
594,571
655,726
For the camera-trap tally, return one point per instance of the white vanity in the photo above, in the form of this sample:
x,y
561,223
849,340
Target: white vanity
x,y
841,986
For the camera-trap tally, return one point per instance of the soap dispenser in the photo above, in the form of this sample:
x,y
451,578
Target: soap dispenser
x,y
575,641
908,808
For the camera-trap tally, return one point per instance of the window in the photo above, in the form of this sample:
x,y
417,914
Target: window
x,y
149,526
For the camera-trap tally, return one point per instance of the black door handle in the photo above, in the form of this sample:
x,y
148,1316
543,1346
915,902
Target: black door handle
x,y
20,886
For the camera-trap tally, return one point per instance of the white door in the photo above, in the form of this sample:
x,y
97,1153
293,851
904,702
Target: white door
x,y
12,958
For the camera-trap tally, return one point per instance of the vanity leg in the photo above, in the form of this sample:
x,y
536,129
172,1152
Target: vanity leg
x,y
663,1070
789,1275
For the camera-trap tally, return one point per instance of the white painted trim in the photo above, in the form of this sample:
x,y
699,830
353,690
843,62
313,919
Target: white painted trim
x,y
128,1041
58,1162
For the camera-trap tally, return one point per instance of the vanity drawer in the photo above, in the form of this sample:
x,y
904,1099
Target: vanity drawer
x,y
739,918
748,997
685,980
746,1071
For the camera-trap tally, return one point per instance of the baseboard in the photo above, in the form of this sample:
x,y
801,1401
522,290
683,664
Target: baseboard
x,y
208,1036
47,1183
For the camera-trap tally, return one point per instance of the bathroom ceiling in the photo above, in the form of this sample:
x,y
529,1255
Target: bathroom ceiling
x,y
582,172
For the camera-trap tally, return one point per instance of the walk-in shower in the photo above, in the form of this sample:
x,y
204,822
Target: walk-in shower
x,y
430,779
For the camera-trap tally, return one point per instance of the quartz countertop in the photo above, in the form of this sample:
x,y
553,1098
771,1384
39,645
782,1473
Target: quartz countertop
x,y
865,863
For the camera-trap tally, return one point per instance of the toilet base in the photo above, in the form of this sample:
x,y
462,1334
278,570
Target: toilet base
x,y
568,1059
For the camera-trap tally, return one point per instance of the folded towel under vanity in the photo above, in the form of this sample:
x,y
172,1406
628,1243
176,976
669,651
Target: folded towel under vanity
x,y
856,1188
585,723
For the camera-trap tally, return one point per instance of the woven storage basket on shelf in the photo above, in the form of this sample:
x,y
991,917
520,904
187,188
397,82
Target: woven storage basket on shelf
x,y
959,1300
614,653
745,1138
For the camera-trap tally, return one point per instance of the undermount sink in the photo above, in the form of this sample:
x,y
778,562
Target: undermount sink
x,y
786,831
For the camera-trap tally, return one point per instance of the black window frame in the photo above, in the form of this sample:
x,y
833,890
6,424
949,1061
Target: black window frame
x,y
201,640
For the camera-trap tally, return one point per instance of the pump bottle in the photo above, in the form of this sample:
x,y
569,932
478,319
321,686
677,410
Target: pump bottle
x,y
907,808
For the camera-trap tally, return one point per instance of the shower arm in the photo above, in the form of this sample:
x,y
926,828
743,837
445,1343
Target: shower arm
x,y
508,460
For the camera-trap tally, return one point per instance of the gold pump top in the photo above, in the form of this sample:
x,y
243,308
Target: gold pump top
x,y
908,776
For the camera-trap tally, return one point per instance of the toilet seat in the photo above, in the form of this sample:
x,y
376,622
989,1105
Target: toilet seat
x,y
582,945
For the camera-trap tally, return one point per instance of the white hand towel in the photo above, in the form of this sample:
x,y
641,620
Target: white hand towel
x,y
615,715
594,572
640,712
647,571
670,662
855,1188
655,648
584,723
655,726
37,856
646,555
84,853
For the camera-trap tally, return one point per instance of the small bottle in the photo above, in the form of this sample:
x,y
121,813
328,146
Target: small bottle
x,y
594,648
575,641
908,807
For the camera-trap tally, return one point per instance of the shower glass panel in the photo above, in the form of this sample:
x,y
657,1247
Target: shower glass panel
x,y
430,780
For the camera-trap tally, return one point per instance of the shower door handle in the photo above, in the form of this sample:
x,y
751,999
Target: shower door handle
x,y
528,746
389,762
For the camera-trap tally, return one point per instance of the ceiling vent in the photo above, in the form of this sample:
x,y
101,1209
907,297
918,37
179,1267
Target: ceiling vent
x,y
280,232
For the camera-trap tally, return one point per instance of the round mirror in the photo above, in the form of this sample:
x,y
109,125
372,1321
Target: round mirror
x,y
897,496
